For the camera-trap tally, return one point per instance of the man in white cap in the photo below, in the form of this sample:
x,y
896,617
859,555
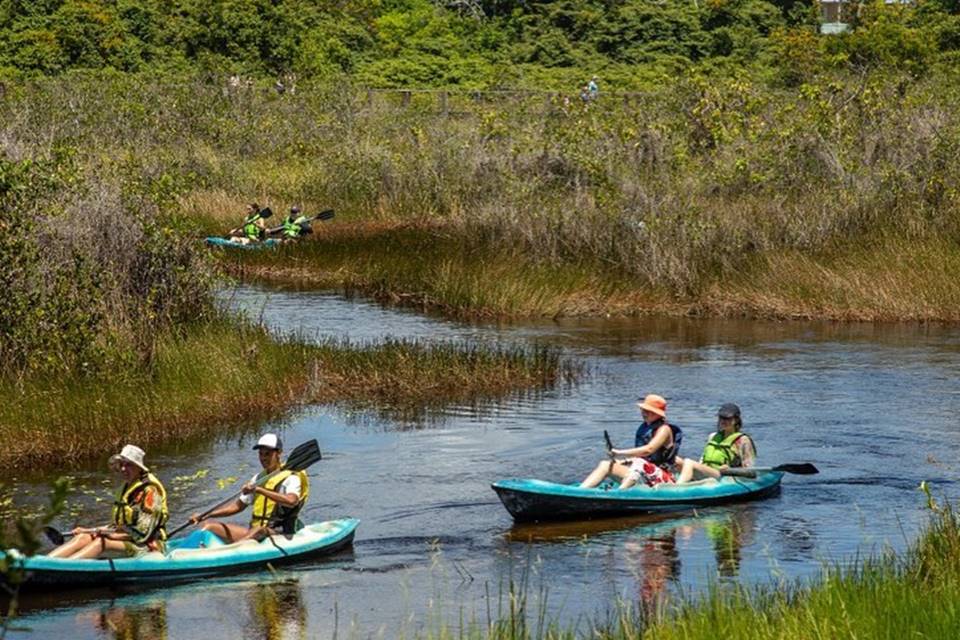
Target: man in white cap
x,y
277,495
139,514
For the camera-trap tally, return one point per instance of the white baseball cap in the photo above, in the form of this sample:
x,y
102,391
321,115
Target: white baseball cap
x,y
269,441
130,453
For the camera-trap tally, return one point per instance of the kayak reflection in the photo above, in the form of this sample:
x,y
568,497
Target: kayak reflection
x,y
277,611
652,546
144,622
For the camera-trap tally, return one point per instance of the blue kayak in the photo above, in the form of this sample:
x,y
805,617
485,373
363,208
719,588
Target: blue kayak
x,y
216,241
198,555
528,499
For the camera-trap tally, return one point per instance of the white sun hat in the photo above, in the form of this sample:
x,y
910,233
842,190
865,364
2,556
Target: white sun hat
x,y
131,454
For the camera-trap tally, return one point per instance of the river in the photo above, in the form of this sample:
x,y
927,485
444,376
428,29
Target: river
x,y
875,407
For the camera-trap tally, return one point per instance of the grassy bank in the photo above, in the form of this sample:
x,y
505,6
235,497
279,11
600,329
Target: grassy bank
x,y
883,279
884,597
686,198
226,373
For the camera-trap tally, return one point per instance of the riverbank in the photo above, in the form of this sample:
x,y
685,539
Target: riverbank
x,y
880,597
436,268
218,376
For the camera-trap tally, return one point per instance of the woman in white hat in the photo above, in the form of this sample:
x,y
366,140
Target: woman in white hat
x,y
139,514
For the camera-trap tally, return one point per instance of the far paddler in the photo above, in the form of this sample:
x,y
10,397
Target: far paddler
x,y
295,225
254,227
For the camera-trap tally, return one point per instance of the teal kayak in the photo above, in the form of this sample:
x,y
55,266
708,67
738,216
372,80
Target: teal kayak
x,y
198,555
528,499
216,241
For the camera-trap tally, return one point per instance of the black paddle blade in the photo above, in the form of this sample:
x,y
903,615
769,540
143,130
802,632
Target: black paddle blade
x,y
266,212
802,469
303,456
53,536
326,214
606,436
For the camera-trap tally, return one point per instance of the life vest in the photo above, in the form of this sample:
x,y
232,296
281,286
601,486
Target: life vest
x,y
291,227
665,455
250,228
720,450
267,513
127,508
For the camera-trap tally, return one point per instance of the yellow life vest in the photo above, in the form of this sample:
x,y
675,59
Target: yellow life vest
x,y
127,508
267,513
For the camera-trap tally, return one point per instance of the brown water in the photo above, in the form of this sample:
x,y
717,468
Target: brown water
x,y
874,407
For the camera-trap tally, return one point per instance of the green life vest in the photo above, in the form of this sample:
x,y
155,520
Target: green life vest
x,y
250,228
720,451
128,505
267,513
291,227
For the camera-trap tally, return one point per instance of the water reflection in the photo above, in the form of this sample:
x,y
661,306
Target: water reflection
x,y
277,611
651,546
143,622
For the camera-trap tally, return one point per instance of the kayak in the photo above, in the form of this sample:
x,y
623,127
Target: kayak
x,y
216,241
528,499
197,555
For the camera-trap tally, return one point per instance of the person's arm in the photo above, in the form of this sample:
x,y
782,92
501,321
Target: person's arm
x,y
226,510
287,494
659,440
748,453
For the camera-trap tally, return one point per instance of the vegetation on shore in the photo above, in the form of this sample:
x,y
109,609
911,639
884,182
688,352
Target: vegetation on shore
x,y
882,597
227,372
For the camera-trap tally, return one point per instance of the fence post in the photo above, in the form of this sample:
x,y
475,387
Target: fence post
x,y
405,100
443,104
369,99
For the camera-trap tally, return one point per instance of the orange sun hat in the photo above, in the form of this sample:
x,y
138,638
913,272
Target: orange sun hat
x,y
654,404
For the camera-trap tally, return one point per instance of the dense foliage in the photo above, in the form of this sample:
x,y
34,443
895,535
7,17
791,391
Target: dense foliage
x,y
476,43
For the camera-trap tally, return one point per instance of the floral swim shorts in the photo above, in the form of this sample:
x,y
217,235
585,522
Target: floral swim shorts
x,y
649,473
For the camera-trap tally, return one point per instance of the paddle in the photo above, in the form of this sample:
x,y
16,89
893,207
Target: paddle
x,y
298,460
326,214
613,460
803,469
58,537
265,213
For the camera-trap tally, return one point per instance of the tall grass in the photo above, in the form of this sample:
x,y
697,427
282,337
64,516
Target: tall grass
x,y
676,192
882,597
226,372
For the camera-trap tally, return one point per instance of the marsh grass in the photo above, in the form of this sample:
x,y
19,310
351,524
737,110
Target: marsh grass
x,y
216,376
626,206
882,597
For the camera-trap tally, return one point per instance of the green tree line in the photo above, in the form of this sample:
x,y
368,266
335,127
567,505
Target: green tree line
x,y
470,43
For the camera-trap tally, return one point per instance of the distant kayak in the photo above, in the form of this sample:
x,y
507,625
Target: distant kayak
x,y
528,499
198,555
217,241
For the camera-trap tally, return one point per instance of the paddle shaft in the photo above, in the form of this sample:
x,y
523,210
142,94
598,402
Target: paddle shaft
x,y
803,469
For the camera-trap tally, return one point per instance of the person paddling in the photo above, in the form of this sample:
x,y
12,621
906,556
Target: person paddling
x,y
656,445
727,447
295,225
253,228
276,502
139,514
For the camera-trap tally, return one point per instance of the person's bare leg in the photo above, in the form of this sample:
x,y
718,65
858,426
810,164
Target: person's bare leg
x,y
97,547
693,468
67,549
226,531
257,533
604,469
